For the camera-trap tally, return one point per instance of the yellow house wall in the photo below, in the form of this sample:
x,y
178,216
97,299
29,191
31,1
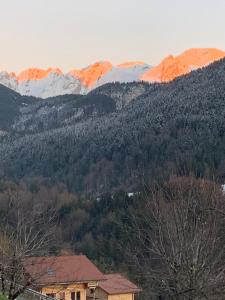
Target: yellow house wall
x,y
57,289
121,297
102,295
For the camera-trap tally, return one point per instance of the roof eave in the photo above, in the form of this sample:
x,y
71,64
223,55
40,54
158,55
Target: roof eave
x,y
70,282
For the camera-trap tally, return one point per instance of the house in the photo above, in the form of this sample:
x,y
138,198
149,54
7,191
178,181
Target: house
x,y
116,287
75,277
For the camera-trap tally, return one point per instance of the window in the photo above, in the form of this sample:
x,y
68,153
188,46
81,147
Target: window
x,y
50,271
75,296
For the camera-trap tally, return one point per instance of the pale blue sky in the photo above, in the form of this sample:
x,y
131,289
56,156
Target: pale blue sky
x,y
75,33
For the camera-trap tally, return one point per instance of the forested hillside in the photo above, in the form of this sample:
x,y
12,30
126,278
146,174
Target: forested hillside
x,y
10,105
61,111
151,237
171,128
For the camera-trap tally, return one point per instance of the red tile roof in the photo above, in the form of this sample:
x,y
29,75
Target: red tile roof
x,y
117,284
62,269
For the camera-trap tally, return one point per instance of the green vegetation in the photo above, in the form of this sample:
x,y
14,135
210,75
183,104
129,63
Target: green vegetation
x,y
121,233
83,226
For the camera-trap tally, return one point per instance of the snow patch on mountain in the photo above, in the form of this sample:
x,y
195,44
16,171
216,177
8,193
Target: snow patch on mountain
x,y
123,74
9,80
54,84
89,75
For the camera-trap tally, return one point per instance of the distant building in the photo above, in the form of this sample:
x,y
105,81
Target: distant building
x,y
75,277
116,287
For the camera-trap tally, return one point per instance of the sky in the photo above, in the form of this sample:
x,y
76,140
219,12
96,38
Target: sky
x,y
75,33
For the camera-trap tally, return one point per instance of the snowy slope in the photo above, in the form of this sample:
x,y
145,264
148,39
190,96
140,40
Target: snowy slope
x,y
88,76
53,84
174,66
124,73
9,80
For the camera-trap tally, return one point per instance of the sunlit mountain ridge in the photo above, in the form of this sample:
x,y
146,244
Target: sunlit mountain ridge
x,y
53,82
174,66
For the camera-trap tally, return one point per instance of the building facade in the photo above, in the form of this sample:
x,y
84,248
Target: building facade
x,y
75,277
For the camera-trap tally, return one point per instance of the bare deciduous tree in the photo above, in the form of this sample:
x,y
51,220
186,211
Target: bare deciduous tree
x,y
25,231
179,243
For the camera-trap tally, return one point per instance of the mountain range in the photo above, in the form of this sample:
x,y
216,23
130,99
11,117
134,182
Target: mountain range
x,y
53,82
117,134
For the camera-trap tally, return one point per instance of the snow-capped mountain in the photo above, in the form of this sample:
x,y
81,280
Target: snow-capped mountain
x,y
41,83
53,82
91,74
9,80
175,66
126,72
